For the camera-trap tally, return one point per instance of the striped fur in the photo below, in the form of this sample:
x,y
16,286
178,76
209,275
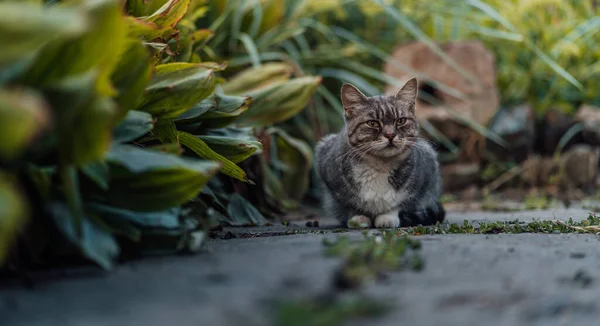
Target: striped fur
x,y
377,167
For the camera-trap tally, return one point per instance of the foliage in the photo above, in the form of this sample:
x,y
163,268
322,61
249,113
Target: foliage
x,y
546,50
591,224
371,257
115,123
118,123
328,311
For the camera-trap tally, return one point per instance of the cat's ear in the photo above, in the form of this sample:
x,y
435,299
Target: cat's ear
x,y
408,92
352,98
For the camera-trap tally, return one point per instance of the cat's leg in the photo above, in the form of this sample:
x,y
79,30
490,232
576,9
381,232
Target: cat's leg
x,y
346,216
428,216
388,220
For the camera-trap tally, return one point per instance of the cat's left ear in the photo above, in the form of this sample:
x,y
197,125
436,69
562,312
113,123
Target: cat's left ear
x,y
408,92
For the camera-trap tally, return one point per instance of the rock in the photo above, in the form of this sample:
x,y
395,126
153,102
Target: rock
x,y
579,167
516,125
480,101
459,176
590,117
539,171
553,125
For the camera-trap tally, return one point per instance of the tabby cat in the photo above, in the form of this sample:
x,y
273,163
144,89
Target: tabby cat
x,y
377,171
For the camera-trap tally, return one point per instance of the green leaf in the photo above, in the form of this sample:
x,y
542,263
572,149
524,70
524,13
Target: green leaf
x,y
160,231
95,243
25,27
97,172
166,132
131,76
70,188
170,13
234,149
217,111
79,111
296,156
144,180
201,149
350,77
99,48
171,148
279,102
555,66
251,49
175,88
495,15
164,219
140,8
135,125
243,213
23,116
258,77
13,214
139,28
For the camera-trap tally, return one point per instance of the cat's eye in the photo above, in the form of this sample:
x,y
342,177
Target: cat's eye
x,y
400,122
373,123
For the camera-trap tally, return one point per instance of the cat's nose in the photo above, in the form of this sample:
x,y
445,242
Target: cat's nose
x,y
389,135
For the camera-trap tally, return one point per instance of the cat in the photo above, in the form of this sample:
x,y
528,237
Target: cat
x,y
377,171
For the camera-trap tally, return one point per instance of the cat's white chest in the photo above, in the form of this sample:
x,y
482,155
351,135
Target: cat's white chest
x,y
377,195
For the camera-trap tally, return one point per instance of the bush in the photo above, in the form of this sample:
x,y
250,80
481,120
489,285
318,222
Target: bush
x,y
114,123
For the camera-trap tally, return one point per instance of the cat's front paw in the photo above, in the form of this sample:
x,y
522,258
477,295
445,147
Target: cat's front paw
x,y
359,221
387,221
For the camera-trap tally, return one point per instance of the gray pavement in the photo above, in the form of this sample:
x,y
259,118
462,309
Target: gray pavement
x,y
503,279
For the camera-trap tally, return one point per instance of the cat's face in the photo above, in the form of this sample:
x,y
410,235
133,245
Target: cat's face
x,y
381,126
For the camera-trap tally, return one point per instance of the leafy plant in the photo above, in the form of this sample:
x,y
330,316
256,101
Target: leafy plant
x,y
110,128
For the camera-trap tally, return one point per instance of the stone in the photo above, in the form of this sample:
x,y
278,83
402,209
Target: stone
x,y
579,167
481,99
553,125
590,117
539,171
459,176
516,125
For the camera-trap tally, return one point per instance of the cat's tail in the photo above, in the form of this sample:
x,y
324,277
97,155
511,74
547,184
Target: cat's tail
x,y
428,216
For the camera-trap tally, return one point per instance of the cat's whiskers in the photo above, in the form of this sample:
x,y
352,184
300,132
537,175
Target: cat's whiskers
x,y
353,152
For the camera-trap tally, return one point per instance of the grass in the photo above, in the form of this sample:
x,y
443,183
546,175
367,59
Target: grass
x,y
372,257
589,225
328,311
367,259
377,253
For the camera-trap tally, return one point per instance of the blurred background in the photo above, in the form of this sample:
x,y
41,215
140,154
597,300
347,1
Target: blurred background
x,y
133,127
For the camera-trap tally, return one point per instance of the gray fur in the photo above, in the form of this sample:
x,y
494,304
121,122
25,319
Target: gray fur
x,y
374,169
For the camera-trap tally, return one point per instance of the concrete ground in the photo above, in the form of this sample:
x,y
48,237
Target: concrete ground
x,y
501,279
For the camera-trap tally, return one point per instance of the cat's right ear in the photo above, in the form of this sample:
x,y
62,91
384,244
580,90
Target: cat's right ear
x,y
352,99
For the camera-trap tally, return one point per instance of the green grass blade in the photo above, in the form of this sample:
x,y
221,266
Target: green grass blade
x,y
492,13
264,56
251,49
349,77
257,16
589,26
438,136
331,99
303,44
325,30
555,66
